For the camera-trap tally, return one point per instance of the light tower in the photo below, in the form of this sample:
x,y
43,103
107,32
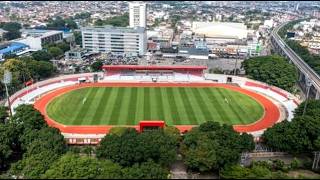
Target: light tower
x,y
7,77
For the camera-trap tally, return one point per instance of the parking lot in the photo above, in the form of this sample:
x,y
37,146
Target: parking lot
x,y
225,64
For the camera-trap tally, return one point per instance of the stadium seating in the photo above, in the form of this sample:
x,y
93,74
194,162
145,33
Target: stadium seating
x,y
289,104
29,97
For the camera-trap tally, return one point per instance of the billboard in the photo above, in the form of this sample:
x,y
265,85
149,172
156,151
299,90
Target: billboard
x,y
290,34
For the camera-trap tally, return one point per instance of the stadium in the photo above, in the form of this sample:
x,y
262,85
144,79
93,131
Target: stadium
x,y
84,107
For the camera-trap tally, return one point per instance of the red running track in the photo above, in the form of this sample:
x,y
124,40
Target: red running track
x,y
271,114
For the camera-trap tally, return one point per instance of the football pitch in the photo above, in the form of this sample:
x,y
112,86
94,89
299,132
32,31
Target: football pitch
x,y
174,105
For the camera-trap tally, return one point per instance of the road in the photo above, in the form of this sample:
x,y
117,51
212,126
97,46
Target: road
x,y
297,61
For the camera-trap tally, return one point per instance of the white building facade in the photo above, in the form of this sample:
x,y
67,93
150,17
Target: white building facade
x,y
35,39
137,14
123,41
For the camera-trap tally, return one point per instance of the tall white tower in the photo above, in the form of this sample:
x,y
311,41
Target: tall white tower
x,y
137,14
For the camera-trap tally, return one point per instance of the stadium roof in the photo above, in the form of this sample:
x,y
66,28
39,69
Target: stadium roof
x,y
220,29
12,47
137,67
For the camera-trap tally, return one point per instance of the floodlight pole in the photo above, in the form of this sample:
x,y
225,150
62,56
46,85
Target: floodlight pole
x,y
8,98
235,66
307,97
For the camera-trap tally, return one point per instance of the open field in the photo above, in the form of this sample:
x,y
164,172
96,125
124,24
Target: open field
x,y
175,105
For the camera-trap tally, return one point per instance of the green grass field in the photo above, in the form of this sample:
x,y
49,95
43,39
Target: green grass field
x,y
175,105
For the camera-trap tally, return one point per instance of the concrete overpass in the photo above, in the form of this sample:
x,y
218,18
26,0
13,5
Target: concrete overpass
x,y
307,76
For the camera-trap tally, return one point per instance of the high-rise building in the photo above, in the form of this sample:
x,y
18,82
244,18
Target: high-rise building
x,y
137,14
118,40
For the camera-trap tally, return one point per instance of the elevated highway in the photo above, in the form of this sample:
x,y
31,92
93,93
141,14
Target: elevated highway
x,y
309,80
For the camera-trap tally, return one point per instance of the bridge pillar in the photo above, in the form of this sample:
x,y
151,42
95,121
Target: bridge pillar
x,y
317,95
301,76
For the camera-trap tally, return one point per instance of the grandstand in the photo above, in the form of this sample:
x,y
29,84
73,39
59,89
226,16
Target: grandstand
x,y
154,73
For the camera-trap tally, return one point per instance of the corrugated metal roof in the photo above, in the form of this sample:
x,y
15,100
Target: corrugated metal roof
x,y
12,47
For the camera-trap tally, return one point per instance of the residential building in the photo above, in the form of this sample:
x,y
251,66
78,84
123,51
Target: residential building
x,y
118,40
137,14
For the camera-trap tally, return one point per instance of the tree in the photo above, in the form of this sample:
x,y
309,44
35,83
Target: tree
x,y
60,23
78,38
41,55
120,21
13,29
71,24
55,52
64,46
259,171
40,69
234,172
24,69
34,166
20,72
212,146
83,15
7,139
246,142
119,130
10,35
173,133
72,166
147,170
279,136
131,147
3,114
28,118
98,22
273,70
311,110
96,66
27,68
298,136
11,26
47,138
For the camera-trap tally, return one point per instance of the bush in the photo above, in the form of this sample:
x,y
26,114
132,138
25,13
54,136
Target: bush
x,y
295,164
119,130
278,164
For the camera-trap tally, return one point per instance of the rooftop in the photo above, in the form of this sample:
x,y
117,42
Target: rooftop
x,y
12,47
39,32
109,28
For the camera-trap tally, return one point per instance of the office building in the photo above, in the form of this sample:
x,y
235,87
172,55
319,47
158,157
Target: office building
x,y
137,14
118,40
